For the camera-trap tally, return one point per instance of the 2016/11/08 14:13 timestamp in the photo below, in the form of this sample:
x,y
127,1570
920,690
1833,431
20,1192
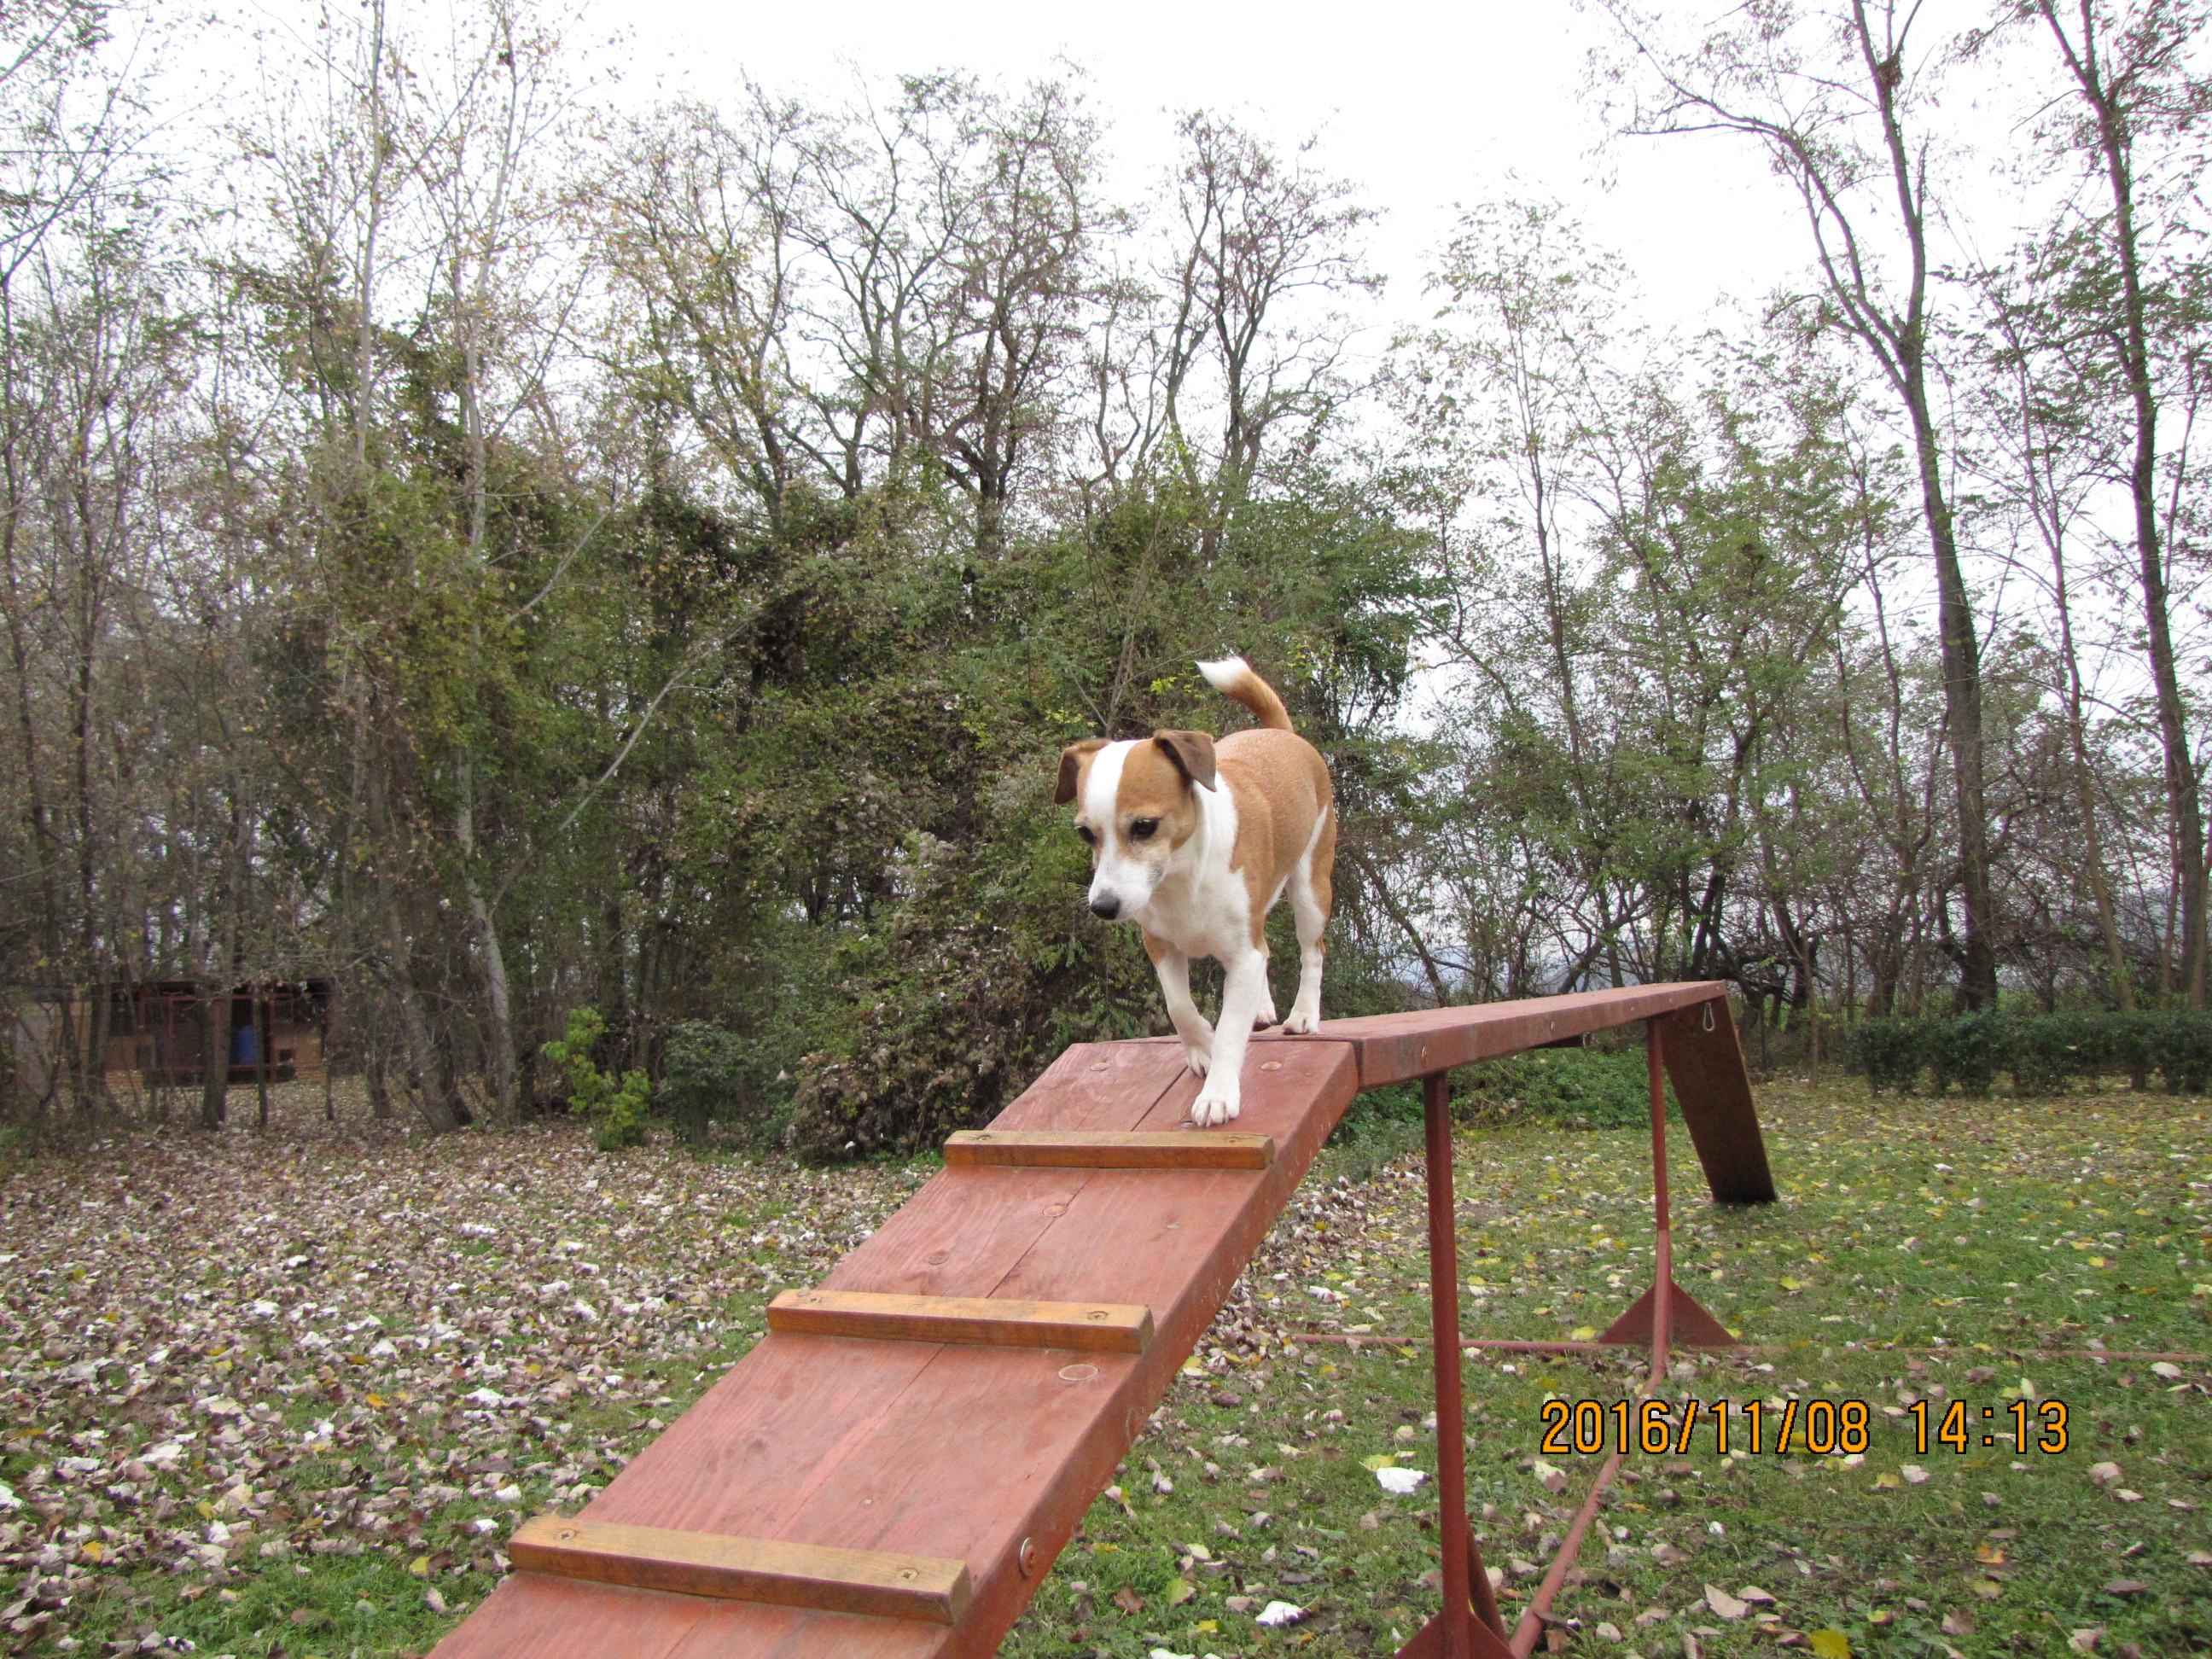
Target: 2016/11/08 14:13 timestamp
x,y
1818,1427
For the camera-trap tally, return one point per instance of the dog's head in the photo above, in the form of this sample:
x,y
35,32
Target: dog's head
x,y
1136,802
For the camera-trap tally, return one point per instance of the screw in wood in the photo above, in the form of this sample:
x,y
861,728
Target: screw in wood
x,y
906,1572
1026,1557
1271,1066
1077,1373
1096,1313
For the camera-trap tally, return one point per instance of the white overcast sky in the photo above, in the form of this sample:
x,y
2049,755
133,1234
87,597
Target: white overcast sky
x,y
1422,107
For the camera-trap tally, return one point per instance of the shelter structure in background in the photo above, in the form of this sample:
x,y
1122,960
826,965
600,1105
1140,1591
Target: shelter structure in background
x,y
279,1031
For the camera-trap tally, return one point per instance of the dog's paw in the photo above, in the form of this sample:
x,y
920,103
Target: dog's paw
x,y
1300,1024
1212,1109
1199,1061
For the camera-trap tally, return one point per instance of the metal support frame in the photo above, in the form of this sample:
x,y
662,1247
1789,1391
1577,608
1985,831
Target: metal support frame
x,y
1469,1626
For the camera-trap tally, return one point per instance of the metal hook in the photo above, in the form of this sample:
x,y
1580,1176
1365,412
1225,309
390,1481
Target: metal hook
x,y
1709,1016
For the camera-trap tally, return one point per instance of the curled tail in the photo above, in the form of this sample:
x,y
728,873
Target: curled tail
x,y
1232,677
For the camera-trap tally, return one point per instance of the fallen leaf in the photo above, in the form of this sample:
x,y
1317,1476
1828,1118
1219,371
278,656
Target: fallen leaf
x,y
2105,1474
1914,1474
1276,1614
2125,1587
1829,1643
2085,1641
1128,1600
1179,1590
1958,1624
1723,1605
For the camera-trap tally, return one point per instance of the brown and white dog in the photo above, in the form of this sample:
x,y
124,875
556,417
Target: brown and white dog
x,y
1194,841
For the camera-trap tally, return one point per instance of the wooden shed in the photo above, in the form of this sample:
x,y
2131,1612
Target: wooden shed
x,y
280,1030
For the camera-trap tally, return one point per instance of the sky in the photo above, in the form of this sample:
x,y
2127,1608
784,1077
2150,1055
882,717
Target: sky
x,y
1423,107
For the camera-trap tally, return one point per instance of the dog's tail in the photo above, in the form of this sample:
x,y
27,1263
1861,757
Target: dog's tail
x,y
1232,677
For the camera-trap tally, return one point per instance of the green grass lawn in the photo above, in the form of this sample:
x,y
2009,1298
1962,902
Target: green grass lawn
x,y
210,1443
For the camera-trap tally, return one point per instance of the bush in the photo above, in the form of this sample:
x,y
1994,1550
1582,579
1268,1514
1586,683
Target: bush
x,y
2045,1053
705,1079
1578,1088
1969,1051
616,1105
1889,1053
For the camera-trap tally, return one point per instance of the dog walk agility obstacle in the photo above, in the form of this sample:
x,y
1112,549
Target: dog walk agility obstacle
x,y
891,1470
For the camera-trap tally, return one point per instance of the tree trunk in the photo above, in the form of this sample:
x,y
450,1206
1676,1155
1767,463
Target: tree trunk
x,y
214,1000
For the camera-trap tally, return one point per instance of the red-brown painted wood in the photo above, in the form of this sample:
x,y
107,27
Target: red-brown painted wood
x,y
968,1453
1398,1048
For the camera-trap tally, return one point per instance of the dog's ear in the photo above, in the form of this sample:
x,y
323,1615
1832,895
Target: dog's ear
x,y
1070,762
1192,753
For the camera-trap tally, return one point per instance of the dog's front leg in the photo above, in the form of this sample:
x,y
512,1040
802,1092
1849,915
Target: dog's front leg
x,y
1174,969
1244,993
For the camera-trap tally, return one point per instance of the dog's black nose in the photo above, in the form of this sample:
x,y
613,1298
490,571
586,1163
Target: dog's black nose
x,y
1107,906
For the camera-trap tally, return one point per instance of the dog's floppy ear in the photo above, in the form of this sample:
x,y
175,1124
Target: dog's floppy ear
x,y
1192,753
1071,762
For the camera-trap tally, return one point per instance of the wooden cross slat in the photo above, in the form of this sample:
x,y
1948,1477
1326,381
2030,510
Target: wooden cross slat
x,y
872,1582
1094,1326
1096,1149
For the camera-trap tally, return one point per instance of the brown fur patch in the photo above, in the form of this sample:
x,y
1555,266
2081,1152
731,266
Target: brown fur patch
x,y
1074,765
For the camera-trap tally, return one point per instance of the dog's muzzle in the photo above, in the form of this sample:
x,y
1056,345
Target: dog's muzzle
x,y
1106,906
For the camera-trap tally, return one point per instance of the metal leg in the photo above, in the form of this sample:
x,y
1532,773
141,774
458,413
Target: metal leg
x,y
1467,1585
1662,1302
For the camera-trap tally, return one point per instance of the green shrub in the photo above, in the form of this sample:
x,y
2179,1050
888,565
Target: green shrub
x,y
1969,1051
1889,1053
616,1105
1578,1088
704,1078
2045,1053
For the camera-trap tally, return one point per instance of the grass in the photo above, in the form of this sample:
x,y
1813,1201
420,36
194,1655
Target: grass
x,y
1923,1249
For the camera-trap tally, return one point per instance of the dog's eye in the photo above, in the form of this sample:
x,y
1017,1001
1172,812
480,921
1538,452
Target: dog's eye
x,y
1084,830
1141,828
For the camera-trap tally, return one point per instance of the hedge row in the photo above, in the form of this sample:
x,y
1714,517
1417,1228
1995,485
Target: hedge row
x,y
2044,1053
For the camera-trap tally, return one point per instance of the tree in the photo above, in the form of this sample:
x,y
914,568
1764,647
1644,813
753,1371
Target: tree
x,y
1831,94
2134,301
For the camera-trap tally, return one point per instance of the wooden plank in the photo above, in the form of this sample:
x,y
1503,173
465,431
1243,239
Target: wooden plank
x,y
986,1455
1102,1326
873,1445
874,1583
1100,1149
1398,1048
1704,1062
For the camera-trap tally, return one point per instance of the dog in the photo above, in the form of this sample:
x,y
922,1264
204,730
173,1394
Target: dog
x,y
1194,841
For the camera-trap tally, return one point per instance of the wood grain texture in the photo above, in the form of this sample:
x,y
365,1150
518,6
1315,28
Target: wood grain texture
x,y
1398,1048
1704,1062
995,1323
869,1582
961,1451
1102,1149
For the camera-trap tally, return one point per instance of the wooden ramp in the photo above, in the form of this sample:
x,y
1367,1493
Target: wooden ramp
x,y
892,1469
